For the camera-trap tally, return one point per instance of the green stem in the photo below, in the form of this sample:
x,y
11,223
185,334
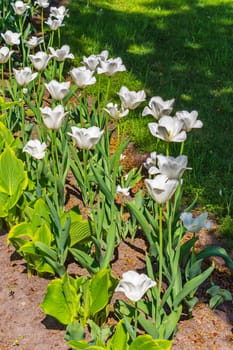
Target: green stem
x,y
87,183
167,148
54,163
61,66
42,27
135,319
23,117
160,263
182,148
2,75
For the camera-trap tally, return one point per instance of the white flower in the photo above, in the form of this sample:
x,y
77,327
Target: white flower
x,y
195,224
91,62
58,12
62,53
150,163
114,112
160,188
169,129
42,3
189,119
82,77
103,55
131,99
124,191
54,24
134,285
35,148
5,54
40,60
11,38
172,167
86,138
19,7
53,118
33,42
158,107
58,90
111,66
24,76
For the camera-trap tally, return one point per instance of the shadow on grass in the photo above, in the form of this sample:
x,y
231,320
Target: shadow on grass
x,y
181,49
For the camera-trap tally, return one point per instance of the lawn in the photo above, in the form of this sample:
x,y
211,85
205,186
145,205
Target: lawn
x,y
178,49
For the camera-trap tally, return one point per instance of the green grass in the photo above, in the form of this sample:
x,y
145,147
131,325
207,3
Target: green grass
x,y
171,48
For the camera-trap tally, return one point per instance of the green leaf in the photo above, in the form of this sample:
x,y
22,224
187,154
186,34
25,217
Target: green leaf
x,y
144,224
191,285
101,183
146,342
13,180
120,338
74,331
61,300
216,251
99,291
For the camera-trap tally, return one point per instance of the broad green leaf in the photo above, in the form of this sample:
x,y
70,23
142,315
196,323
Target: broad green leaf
x,y
99,291
44,235
74,331
79,345
120,338
40,213
146,342
24,231
13,180
61,300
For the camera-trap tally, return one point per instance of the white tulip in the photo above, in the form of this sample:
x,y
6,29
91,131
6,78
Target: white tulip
x,y
19,7
111,66
172,167
131,99
42,3
58,12
24,76
158,107
160,188
91,62
124,191
62,53
150,163
33,42
11,38
86,138
189,119
58,90
169,129
114,112
54,23
53,118
134,285
40,60
5,54
82,77
195,224
35,148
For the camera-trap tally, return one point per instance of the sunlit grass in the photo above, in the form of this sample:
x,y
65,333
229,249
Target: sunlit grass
x,y
178,49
